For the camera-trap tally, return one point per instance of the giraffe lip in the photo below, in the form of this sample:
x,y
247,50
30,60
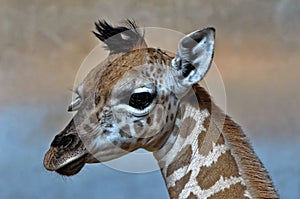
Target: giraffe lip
x,y
73,167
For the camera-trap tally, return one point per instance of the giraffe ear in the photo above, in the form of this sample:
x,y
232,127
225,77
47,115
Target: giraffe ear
x,y
194,57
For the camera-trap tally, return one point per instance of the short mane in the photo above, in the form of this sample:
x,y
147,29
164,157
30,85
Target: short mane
x,y
119,39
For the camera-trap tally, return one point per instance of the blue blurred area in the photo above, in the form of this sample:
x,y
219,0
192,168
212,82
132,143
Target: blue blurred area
x,y
282,160
23,144
22,148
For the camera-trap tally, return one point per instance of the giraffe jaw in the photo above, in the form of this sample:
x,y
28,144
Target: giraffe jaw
x,y
67,166
72,166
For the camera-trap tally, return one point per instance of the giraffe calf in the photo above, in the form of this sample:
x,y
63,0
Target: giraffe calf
x,y
142,97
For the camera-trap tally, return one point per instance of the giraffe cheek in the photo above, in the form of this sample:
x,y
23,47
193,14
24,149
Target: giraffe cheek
x,y
126,124
121,117
155,121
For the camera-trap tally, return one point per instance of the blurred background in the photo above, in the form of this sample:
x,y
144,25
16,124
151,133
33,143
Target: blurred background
x,y
42,45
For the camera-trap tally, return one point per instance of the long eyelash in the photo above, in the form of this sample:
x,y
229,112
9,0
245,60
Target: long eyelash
x,y
74,106
74,91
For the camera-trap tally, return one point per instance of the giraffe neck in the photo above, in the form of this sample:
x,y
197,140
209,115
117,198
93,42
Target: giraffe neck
x,y
204,159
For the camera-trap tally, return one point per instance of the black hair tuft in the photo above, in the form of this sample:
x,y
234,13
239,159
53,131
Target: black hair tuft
x,y
118,38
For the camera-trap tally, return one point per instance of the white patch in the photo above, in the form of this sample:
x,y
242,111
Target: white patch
x,y
198,161
177,122
124,37
143,89
247,194
79,89
177,175
180,142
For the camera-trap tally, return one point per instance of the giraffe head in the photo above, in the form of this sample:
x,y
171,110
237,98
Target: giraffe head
x,y
130,100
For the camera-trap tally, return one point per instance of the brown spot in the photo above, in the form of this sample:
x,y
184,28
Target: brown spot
x,y
87,128
233,192
97,99
175,130
93,119
158,115
201,137
161,164
221,140
137,127
167,118
151,68
204,144
159,70
174,102
187,126
205,139
183,158
118,119
105,132
149,121
169,106
179,185
157,143
125,133
126,129
172,117
115,142
140,139
192,196
225,166
126,146
167,98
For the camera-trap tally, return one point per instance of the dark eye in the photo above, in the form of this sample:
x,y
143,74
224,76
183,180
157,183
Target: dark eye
x,y
141,100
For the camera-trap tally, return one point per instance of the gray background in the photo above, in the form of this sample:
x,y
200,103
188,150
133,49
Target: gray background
x,y
42,44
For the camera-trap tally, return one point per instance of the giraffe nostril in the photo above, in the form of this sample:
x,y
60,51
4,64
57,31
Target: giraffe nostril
x,y
63,141
56,141
67,141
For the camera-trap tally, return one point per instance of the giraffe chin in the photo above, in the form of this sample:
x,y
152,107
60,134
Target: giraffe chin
x,y
73,167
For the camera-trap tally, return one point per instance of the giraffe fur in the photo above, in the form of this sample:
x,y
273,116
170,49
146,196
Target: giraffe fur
x,y
143,97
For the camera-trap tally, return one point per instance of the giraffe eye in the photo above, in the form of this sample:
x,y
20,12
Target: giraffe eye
x,y
141,100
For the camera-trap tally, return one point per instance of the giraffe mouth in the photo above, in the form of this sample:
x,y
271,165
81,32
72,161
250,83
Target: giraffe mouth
x,y
73,167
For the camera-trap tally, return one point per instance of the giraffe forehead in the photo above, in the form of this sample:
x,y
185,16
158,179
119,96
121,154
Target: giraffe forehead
x,y
116,70
127,63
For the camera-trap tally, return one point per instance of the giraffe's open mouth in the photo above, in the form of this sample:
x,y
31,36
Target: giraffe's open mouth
x,y
72,167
